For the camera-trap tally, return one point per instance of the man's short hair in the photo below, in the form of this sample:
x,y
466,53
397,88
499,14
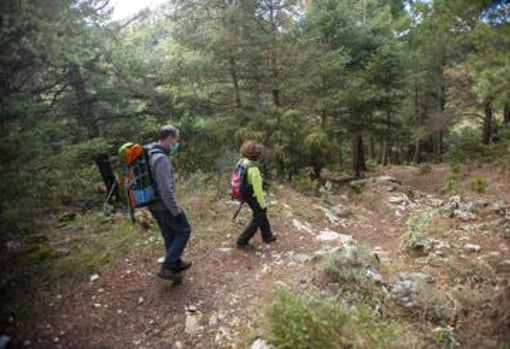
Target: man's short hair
x,y
167,131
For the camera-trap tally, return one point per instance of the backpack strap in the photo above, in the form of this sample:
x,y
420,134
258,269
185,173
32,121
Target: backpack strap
x,y
155,149
150,151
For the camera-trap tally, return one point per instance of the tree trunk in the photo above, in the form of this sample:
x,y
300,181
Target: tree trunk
x,y
274,60
235,81
84,101
371,148
106,171
487,123
440,145
417,152
358,156
506,113
418,114
384,153
384,148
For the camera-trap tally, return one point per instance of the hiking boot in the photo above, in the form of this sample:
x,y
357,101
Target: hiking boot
x,y
181,267
165,273
271,239
246,247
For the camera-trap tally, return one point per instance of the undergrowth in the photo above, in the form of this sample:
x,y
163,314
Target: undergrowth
x,y
312,321
415,238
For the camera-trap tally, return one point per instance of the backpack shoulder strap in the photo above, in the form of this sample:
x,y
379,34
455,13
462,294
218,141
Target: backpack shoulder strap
x,y
154,149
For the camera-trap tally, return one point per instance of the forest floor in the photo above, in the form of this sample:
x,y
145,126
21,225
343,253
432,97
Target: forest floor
x,y
224,297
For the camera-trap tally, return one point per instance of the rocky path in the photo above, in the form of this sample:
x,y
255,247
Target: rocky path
x,y
222,301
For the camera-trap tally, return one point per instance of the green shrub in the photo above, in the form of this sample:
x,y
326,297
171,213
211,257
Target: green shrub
x,y
298,321
464,142
414,238
425,168
371,163
326,191
304,182
449,186
348,264
478,185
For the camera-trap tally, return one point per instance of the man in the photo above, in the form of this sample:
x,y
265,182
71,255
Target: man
x,y
171,219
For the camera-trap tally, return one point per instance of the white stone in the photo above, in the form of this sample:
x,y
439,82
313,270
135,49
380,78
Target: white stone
x,y
192,325
94,277
328,235
261,344
301,258
472,248
213,320
505,264
302,227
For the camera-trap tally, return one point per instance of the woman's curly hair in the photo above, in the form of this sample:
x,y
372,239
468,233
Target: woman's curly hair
x,y
252,150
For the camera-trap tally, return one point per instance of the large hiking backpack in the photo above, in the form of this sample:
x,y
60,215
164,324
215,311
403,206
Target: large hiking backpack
x,y
136,180
238,181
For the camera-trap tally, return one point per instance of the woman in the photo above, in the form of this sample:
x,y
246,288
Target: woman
x,y
251,152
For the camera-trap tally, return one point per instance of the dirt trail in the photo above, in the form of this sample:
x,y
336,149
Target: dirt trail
x,y
227,290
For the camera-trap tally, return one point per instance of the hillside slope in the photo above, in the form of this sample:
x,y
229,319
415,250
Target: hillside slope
x,y
458,244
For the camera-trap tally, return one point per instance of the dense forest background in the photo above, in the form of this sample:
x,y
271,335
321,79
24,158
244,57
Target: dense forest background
x,y
332,87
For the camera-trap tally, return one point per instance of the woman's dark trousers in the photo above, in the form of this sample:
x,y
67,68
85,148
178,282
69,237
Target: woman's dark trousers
x,y
259,220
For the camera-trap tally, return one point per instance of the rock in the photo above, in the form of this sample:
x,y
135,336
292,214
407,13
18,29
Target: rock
x,y
192,325
302,227
328,235
351,256
261,344
94,277
505,265
382,179
191,308
332,218
456,207
342,211
407,288
301,258
140,300
357,185
472,248
376,276
400,199
213,320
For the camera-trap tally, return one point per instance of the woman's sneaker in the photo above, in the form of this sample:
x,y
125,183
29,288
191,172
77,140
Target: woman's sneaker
x,y
246,247
271,239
